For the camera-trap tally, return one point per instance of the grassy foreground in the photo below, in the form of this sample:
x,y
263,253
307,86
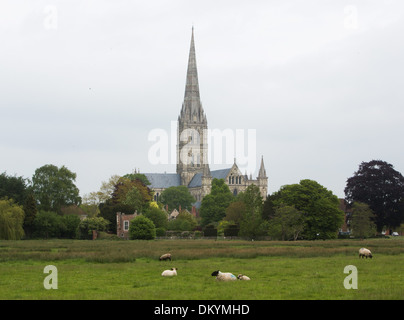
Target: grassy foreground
x,y
131,270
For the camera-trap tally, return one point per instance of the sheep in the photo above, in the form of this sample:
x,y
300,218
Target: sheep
x,y
223,276
363,252
243,277
169,273
166,256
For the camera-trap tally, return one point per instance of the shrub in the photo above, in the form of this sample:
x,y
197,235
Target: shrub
x,y
142,228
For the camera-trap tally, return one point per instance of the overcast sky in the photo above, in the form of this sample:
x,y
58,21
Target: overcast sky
x,y
83,83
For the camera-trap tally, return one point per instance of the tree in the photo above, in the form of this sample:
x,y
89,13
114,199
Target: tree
x,y
86,227
235,211
319,207
214,205
30,211
13,187
11,220
47,224
362,221
286,223
158,216
183,222
142,228
54,187
175,197
105,192
377,184
252,225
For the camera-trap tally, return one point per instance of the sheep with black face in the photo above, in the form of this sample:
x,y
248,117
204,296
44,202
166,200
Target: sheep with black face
x,y
223,276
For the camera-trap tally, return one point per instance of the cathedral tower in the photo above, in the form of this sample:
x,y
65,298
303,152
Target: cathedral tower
x,y
192,148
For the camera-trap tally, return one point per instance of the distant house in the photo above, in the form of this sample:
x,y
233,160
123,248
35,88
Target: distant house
x,y
122,224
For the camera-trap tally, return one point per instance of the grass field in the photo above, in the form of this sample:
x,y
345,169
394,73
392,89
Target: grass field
x,y
124,270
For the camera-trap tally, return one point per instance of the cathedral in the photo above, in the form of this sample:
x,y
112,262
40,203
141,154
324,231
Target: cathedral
x,y
192,165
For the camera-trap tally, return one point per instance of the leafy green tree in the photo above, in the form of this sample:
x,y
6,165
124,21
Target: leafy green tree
x,y
30,214
47,224
252,224
214,205
142,228
362,221
235,211
175,197
11,220
13,187
138,176
86,227
54,187
134,199
320,208
183,222
158,216
286,223
70,224
377,184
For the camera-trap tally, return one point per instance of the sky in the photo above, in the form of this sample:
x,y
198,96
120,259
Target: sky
x,y
83,84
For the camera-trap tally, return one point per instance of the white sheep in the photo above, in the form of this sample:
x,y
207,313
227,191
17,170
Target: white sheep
x,y
243,277
223,276
166,256
169,273
363,252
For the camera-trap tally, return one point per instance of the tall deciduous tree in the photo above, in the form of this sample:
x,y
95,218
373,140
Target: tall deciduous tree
x,y
13,187
362,221
11,220
54,187
320,208
377,184
214,205
177,196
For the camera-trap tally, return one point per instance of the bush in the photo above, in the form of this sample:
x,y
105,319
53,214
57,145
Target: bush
x,y
142,228
210,231
86,227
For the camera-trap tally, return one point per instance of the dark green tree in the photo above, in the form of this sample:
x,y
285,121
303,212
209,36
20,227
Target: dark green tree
x,y
362,221
320,208
377,184
13,187
175,197
286,223
252,224
30,214
214,205
158,216
54,187
142,228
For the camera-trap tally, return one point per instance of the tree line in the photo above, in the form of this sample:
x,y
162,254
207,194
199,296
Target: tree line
x,y
49,206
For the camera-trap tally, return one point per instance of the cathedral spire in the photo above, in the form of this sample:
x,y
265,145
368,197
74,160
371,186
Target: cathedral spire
x,y
192,107
262,173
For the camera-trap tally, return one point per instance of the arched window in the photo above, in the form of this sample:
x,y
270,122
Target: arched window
x,y
235,192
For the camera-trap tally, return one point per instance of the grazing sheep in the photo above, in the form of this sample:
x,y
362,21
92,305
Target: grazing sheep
x,y
169,273
223,276
166,256
243,277
363,252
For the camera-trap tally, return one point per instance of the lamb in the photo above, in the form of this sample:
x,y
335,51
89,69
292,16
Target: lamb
x,y
169,273
363,252
223,276
166,256
243,277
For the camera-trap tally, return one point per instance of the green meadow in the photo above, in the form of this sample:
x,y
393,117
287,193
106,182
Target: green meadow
x,y
131,270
